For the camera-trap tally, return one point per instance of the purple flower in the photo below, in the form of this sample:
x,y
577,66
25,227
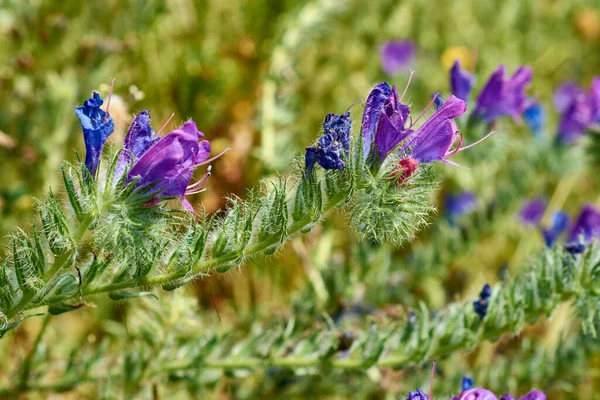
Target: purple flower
x,y
467,383
396,55
335,140
535,118
586,226
503,96
579,109
533,211
482,303
139,139
170,162
534,395
507,397
560,223
434,139
418,395
461,81
460,204
97,126
477,394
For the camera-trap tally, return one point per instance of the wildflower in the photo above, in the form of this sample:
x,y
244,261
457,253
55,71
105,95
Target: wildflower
x,y
560,223
533,395
460,204
418,395
586,226
170,163
467,383
535,118
139,139
481,304
533,211
396,55
97,126
335,139
477,394
503,96
461,81
579,109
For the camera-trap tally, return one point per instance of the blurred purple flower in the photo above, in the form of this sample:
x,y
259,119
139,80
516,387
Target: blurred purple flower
x,y
139,139
460,204
418,395
535,117
579,109
586,226
482,303
461,81
97,126
170,163
534,395
503,96
477,394
396,55
532,211
335,139
560,223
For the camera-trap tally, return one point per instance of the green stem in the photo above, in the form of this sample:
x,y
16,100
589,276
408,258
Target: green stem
x,y
27,362
59,263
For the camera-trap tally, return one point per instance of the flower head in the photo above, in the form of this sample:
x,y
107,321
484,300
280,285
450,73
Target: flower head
x,y
461,81
579,109
533,211
459,204
504,96
534,395
477,394
560,223
467,383
170,163
335,140
535,118
97,126
396,55
586,226
482,303
139,139
418,395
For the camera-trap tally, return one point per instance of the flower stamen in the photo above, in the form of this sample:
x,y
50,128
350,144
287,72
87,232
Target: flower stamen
x,y
112,85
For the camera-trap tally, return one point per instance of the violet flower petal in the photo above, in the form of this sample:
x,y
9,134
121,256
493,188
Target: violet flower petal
x,y
477,394
533,211
565,95
139,138
461,81
372,113
97,126
534,395
587,225
396,55
418,395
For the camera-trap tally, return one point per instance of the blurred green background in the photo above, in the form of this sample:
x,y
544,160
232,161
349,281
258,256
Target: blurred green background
x,y
259,76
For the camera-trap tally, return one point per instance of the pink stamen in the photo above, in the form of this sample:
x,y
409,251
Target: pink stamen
x,y
479,141
112,85
202,181
431,382
456,150
165,124
407,85
213,158
425,110
353,104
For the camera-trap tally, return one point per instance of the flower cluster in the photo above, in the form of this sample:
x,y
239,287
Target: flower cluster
x,y
388,128
164,165
581,232
579,109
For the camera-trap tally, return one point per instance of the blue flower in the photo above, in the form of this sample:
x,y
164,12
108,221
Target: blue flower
x,y
461,81
467,383
334,142
97,126
482,303
586,226
418,395
560,223
459,205
535,118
